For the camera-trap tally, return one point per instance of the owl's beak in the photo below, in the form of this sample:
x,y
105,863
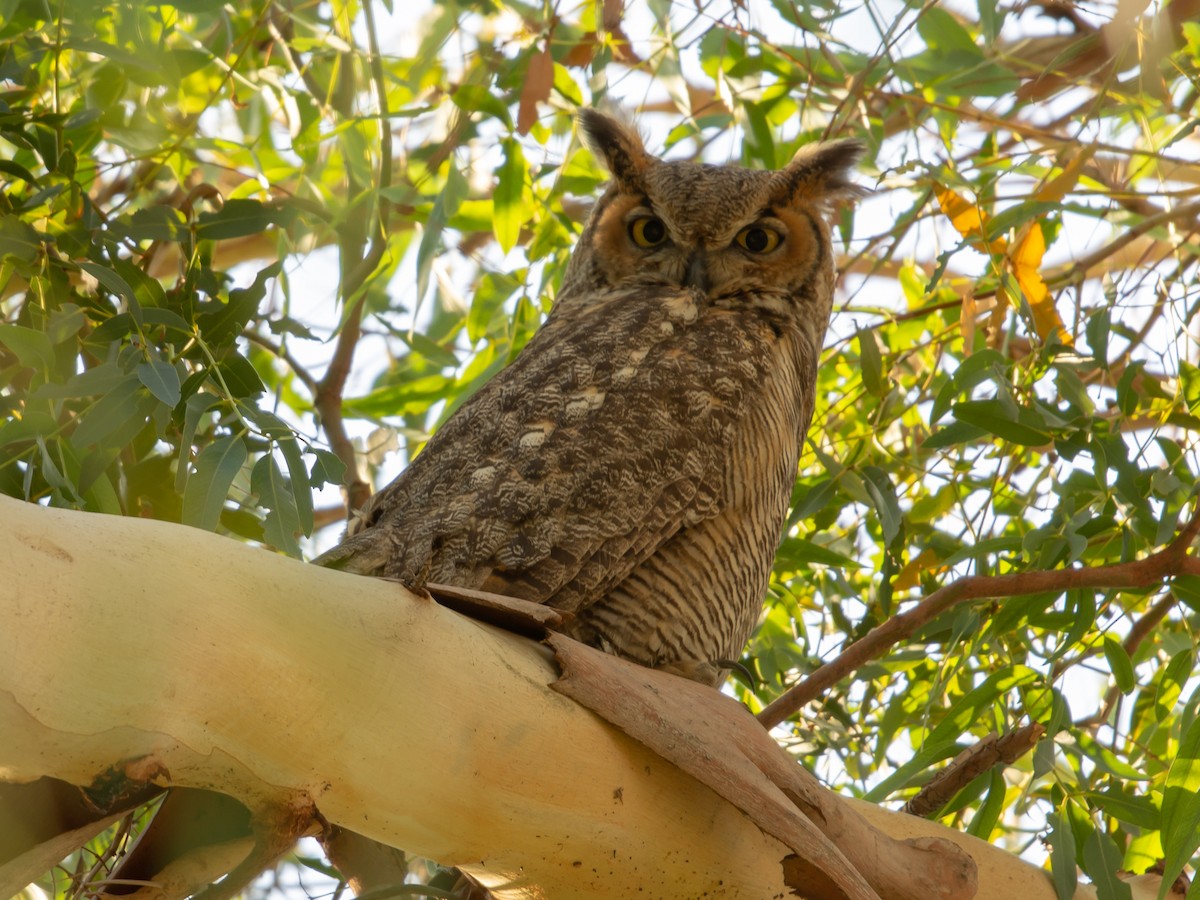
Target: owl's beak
x,y
697,274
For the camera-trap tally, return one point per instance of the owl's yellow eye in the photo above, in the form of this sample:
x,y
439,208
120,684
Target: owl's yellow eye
x,y
758,239
647,231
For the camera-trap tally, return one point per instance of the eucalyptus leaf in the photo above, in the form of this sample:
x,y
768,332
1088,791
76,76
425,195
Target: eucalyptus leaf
x,y
217,466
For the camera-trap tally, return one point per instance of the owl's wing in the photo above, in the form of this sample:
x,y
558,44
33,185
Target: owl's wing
x,y
606,436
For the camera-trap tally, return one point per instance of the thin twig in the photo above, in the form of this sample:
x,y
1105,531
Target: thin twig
x,y
306,377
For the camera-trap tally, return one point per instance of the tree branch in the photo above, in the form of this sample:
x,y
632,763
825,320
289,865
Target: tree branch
x,y
108,678
973,761
1154,569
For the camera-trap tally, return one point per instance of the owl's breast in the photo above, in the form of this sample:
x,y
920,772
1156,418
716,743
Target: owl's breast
x,y
697,595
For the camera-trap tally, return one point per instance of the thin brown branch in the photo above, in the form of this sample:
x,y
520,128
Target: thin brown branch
x,y
1082,266
328,399
306,377
1172,560
328,404
972,762
328,515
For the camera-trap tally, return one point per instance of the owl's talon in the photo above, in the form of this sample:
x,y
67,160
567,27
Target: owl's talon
x,y
737,667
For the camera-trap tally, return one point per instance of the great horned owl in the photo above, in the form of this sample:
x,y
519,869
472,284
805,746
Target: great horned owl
x,y
633,465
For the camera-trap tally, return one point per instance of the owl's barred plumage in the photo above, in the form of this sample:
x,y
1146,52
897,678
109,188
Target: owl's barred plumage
x,y
633,465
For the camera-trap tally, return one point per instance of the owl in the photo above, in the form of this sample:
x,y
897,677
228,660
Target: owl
x,y
633,466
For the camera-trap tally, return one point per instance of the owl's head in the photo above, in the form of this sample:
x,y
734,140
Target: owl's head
x,y
725,231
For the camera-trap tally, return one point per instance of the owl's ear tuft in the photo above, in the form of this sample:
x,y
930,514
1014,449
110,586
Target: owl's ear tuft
x,y
820,173
617,145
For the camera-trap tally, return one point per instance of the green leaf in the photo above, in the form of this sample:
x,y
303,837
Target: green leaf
x,y
1119,664
510,187
952,435
27,428
1098,326
18,240
197,405
155,223
116,285
941,31
216,467
1189,380
798,551
1018,215
883,497
988,814
1127,395
65,323
275,494
997,418
1181,806
1102,860
1137,811
1062,856
49,469
494,288
328,468
162,379
240,377
285,439
929,754
301,487
117,409
102,379
109,279
477,98
809,499
1176,673
241,218
1082,606
168,319
446,205
32,348
872,362
147,290
16,171
400,399
434,352
1187,589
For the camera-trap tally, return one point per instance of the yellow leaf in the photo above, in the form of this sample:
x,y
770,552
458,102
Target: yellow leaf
x,y
910,576
967,218
1026,262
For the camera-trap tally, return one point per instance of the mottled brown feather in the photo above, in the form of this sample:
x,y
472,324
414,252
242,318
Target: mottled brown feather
x,y
634,464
